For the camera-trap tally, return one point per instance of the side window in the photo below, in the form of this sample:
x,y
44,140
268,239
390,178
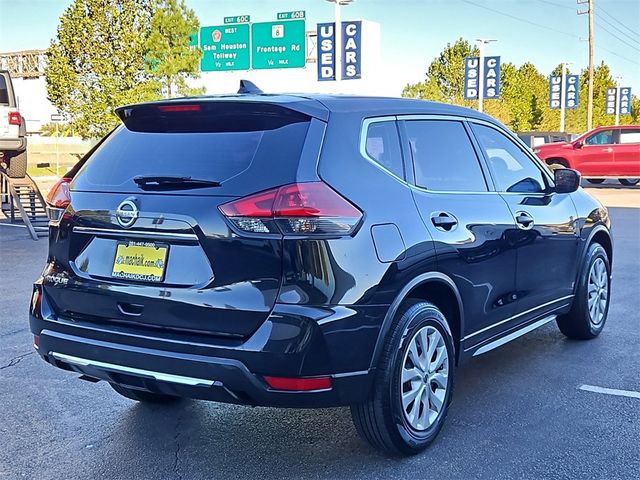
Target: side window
x,y
630,135
4,91
443,156
513,170
383,146
605,137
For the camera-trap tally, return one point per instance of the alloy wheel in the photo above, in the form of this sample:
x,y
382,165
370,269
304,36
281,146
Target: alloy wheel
x,y
597,291
425,373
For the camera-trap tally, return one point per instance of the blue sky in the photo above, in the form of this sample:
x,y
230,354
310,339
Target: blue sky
x,y
414,31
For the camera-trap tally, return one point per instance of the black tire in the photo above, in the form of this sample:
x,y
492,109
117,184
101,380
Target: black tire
x,y
142,395
381,420
18,165
595,181
578,323
629,182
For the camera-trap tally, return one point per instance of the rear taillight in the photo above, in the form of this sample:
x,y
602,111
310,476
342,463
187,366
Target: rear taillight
x,y
297,209
58,200
14,118
59,196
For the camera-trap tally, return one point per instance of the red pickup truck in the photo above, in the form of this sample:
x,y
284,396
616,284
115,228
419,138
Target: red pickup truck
x,y
605,152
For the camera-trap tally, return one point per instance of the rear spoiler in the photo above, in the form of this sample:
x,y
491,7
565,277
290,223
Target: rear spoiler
x,y
206,115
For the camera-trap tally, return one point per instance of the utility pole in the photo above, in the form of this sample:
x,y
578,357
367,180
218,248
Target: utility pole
x,y
481,43
589,12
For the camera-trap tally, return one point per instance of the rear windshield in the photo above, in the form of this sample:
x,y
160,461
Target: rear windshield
x,y
222,156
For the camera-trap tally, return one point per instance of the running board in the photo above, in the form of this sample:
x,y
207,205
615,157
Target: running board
x,y
512,336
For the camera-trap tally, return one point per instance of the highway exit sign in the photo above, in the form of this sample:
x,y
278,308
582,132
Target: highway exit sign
x,y
225,47
278,44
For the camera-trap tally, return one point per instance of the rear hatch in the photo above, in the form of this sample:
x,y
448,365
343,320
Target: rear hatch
x,y
143,243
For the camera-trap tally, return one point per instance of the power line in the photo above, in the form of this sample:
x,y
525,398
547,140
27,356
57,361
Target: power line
x,y
524,20
620,39
612,52
616,28
633,32
559,5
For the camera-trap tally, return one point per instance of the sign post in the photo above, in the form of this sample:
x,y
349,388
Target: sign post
x,y
57,118
481,80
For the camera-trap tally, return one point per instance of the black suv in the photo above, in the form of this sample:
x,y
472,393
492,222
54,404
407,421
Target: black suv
x,y
312,251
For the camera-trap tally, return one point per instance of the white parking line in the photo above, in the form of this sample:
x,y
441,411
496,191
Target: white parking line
x,y
610,391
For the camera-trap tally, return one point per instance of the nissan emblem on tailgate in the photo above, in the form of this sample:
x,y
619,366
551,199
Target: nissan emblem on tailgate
x,y
127,213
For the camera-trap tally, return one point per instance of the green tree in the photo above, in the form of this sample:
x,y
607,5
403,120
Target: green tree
x,y
169,57
445,75
96,62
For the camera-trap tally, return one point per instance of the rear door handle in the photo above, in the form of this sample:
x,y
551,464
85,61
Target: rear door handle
x,y
443,221
524,220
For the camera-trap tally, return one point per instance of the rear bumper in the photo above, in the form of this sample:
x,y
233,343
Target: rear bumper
x,y
289,344
13,144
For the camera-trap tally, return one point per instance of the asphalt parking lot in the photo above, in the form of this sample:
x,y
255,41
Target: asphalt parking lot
x,y
517,411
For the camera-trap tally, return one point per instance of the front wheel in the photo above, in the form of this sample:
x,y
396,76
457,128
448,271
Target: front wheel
x,y
590,307
413,385
595,181
629,182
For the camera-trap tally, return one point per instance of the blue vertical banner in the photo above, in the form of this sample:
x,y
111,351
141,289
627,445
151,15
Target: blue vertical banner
x,y
471,74
490,74
351,50
326,52
611,101
491,84
571,89
555,92
625,100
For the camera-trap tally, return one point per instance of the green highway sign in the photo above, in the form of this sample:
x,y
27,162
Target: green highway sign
x,y
278,44
291,15
225,47
238,19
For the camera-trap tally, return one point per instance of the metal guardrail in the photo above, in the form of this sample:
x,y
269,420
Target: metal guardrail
x,y
22,202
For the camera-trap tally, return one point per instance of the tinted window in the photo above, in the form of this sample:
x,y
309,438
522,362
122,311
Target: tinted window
x,y
513,170
630,135
605,137
383,146
218,156
4,92
443,157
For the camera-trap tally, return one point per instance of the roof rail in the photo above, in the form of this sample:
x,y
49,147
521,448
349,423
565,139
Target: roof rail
x,y
247,87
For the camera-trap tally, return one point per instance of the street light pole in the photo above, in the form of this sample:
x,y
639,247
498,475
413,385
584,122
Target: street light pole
x,y
618,83
337,25
481,43
337,22
563,94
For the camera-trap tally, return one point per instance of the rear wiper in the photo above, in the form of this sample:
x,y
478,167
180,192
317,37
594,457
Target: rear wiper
x,y
152,182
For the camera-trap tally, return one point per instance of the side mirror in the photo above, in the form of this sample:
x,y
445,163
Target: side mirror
x,y
577,145
566,180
